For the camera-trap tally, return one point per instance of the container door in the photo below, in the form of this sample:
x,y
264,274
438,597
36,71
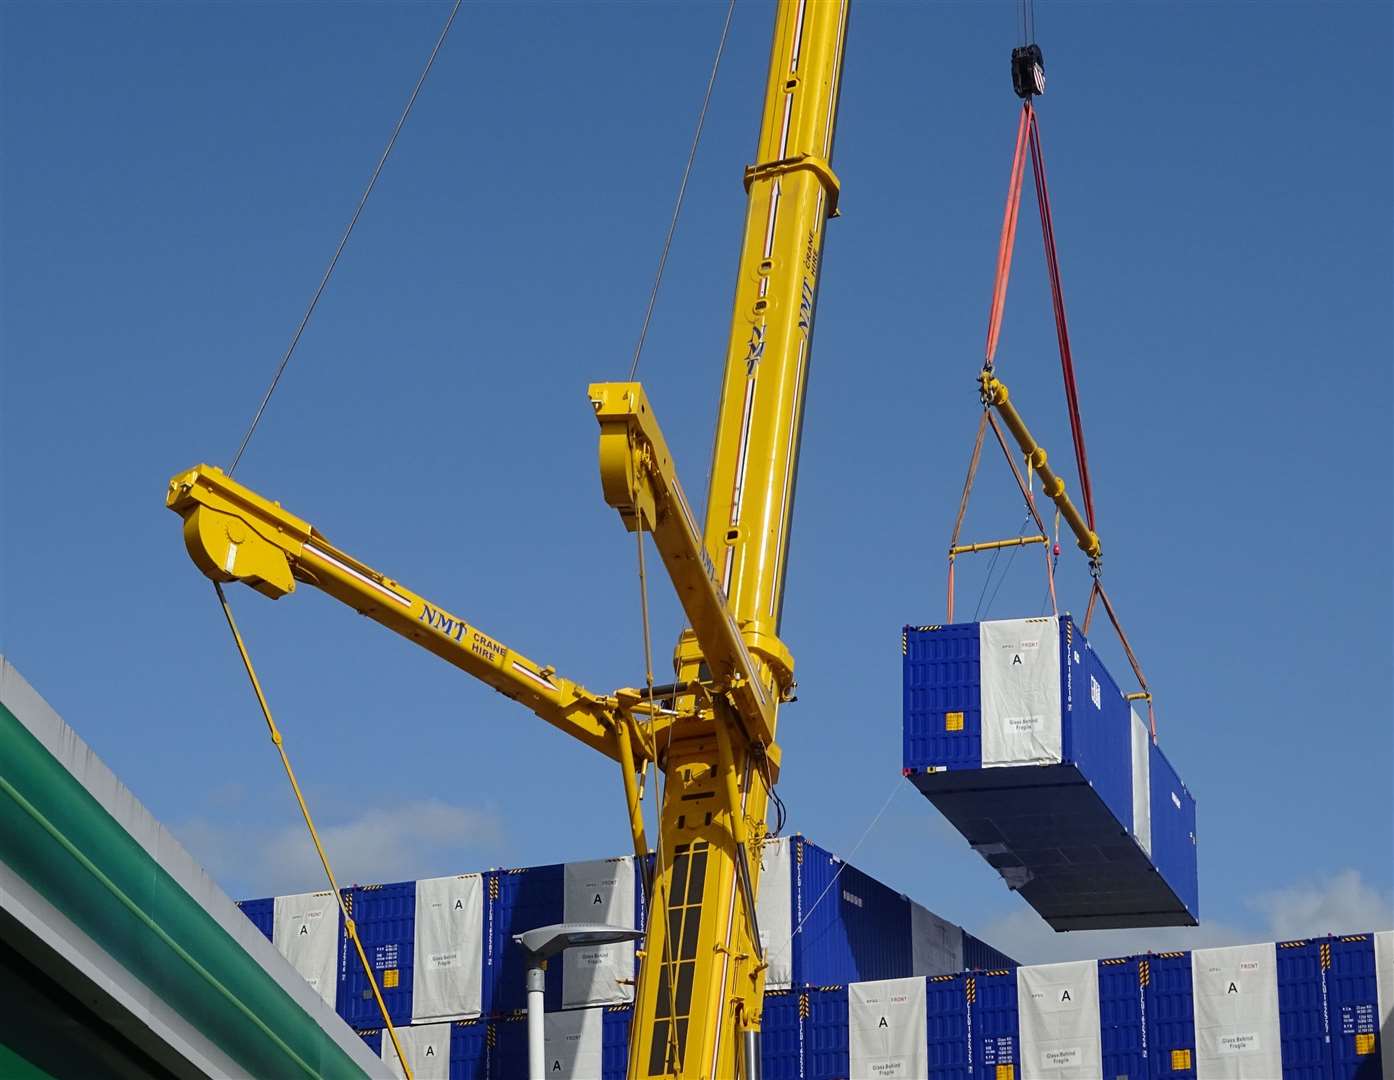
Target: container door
x,y
599,892
1235,1000
305,928
1058,1009
1021,709
774,909
449,948
427,1050
887,1033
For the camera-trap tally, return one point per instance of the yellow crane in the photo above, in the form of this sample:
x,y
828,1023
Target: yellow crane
x,y
712,731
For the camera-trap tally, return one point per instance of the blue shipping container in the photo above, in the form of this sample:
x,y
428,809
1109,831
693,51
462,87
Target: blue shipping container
x,y
386,919
1302,1018
1171,1026
834,923
1357,1043
781,1037
261,912
517,901
825,1034
1021,738
509,1060
978,955
1122,1018
469,1048
992,1024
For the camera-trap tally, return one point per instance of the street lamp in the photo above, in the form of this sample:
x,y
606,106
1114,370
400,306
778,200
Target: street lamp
x,y
542,944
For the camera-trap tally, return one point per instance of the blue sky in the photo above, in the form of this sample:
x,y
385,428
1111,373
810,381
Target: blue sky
x,y
175,177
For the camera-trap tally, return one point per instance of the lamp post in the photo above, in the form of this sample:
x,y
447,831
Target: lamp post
x,y
542,944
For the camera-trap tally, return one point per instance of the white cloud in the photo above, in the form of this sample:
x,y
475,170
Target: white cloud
x,y
1341,904
422,838
1344,904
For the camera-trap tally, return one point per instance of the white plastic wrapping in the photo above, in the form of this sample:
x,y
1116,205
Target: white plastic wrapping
x,y
1058,1009
936,946
305,928
1142,784
447,981
1019,666
598,892
427,1049
774,911
573,1042
1235,1000
886,1030
1384,989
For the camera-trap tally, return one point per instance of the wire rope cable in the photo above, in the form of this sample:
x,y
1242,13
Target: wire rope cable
x,y
842,865
682,192
343,240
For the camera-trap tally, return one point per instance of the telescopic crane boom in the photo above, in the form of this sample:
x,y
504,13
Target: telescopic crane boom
x,y
701,985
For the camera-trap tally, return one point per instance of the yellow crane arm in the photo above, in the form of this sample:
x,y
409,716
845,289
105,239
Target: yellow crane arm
x,y
640,480
233,534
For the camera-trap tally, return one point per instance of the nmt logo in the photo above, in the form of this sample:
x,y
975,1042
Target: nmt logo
x,y
448,625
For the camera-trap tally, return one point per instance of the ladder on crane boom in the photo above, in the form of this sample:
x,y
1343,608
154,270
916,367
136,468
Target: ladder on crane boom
x,y
701,984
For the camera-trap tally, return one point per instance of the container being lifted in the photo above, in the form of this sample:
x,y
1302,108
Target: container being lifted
x,y
1018,735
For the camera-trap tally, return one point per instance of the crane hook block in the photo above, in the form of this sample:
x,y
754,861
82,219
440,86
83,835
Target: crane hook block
x,y
1028,71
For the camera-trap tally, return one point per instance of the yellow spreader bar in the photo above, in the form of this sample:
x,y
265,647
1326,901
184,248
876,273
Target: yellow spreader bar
x,y
994,545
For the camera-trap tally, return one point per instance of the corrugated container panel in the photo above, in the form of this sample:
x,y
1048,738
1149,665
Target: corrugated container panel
x,y
386,919
781,1031
946,1027
826,1038
993,1023
1171,1024
1032,753
853,928
1353,1006
1122,1016
1302,1017
261,912
615,1041
978,955
517,901
1173,823
373,1037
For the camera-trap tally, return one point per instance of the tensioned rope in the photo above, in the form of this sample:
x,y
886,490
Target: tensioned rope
x,y
350,927
343,240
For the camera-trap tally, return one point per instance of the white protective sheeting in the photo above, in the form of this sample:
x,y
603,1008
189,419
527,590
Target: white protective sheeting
x,y
305,928
1142,784
427,1049
886,1029
1019,665
774,911
936,946
572,1041
1235,999
599,892
1058,1007
1384,989
447,983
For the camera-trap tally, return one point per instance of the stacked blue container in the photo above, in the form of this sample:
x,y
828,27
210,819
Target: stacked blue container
x,y
466,1048
1360,1007
385,916
1021,738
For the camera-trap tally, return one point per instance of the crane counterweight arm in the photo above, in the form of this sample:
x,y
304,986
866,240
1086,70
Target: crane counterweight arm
x,y
640,480
233,534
